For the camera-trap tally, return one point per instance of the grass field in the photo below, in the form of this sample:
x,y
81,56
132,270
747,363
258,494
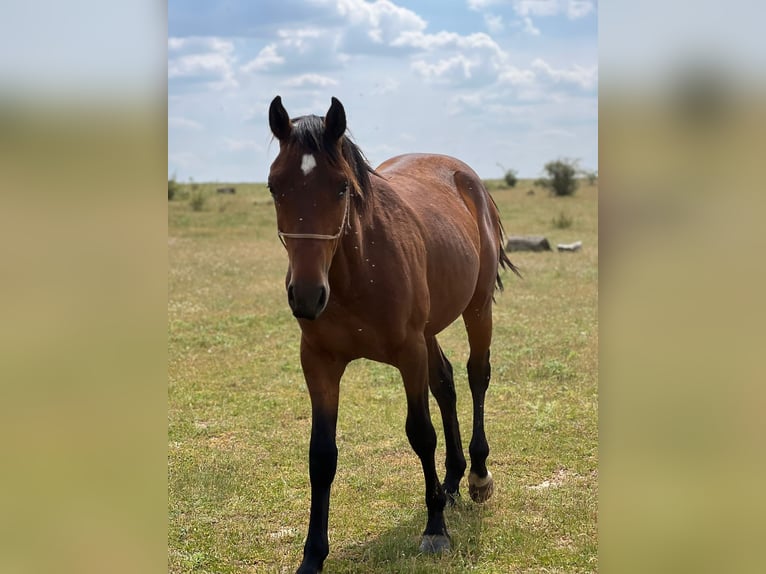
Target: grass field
x,y
239,413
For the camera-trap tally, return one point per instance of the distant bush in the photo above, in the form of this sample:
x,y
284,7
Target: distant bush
x,y
591,176
562,221
562,177
197,199
172,188
509,175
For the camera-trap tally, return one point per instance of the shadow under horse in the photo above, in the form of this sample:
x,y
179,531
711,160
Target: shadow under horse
x,y
381,261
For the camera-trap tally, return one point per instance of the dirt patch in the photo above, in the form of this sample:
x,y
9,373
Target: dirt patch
x,y
560,477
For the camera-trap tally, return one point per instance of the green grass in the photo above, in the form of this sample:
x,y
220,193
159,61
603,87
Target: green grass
x,y
239,414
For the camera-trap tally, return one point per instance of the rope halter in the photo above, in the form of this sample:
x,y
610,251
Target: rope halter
x,y
282,235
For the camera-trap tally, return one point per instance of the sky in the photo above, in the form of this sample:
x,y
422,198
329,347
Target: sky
x,y
498,84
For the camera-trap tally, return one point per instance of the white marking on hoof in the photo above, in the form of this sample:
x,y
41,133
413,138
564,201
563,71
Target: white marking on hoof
x,y
308,163
434,543
480,489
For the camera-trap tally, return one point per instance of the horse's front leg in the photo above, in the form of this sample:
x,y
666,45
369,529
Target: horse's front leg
x,y
322,372
413,365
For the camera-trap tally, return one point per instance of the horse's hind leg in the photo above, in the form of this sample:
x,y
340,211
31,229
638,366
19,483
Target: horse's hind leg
x,y
442,386
478,324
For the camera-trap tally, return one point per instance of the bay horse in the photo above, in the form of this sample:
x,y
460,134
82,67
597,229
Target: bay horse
x,y
380,261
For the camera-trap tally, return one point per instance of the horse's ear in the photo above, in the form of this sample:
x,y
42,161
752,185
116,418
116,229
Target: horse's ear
x,y
335,121
279,121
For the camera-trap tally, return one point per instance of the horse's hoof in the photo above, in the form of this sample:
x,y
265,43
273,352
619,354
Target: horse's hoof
x,y
434,544
480,489
452,497
308,569
310,566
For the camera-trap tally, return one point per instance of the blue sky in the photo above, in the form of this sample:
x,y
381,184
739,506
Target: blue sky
x,y
488,81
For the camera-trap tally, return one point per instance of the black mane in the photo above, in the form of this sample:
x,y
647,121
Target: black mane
x,y
309,133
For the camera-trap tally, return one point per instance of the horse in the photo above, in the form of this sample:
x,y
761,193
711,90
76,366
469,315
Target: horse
x,y
380,261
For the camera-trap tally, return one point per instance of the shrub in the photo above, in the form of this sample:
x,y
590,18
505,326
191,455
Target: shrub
x,y
198,199
562,177
510,178
509,175
592,177
562,221
172,188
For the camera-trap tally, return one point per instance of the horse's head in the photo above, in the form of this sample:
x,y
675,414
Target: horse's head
x,y
309,181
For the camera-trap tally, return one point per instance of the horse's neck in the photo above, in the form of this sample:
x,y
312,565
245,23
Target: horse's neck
x,y
348,258
351,263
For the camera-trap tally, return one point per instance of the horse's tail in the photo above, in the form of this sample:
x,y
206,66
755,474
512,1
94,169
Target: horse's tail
x,y
503,261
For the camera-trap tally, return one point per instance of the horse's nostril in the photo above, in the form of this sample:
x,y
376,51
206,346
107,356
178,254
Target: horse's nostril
x,y
290,295
322,297
307,301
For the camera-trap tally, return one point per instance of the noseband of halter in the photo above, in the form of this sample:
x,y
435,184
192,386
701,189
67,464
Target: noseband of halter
x,y
282,235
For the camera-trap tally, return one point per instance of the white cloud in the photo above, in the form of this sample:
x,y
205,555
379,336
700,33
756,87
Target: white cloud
x,y
232,144
499,104
475,58
379,58
481,4
494,23
183,123
443,40
572,8
452,69
383,20
586,78
529,27
537,7
516,77
310,80
266,59
206,60
299,39
372,27
299,50
578,9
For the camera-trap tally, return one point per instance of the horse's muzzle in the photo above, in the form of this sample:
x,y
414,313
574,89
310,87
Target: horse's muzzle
x,y
307,301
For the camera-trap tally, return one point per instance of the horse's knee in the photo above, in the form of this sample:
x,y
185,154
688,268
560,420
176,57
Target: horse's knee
x,y
421,435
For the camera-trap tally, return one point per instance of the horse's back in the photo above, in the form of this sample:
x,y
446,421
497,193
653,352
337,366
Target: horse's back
x,y
424,179
459,227
443,188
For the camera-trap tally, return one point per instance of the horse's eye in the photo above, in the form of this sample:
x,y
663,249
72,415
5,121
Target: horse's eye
x,y
343,190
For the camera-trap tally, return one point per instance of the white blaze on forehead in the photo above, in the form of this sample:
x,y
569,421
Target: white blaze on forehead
x,y
308,163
